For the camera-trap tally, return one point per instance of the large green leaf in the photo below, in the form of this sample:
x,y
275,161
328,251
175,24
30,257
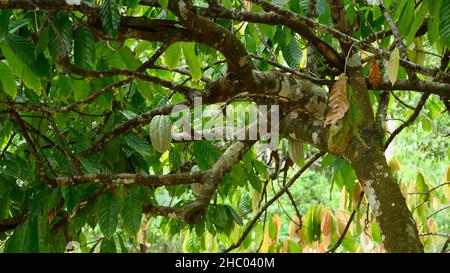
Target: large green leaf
x,y
84,48
5,16
132,215
8,80
422,187
138,144
205,154
108,211
418,21
172,55
406,19
110,15
444,25
192,60
312,224
292,52
108,246
30,236
60,36
20,68
163,3
433,21
18,241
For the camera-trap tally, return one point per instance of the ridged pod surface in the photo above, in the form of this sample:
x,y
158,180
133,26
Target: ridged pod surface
x,y
295,150
161,132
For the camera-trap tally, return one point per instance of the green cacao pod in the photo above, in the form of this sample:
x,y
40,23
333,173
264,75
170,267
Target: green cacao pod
x,y
161,133
295,150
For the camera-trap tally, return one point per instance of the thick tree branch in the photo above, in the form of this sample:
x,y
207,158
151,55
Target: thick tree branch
x,y
152,181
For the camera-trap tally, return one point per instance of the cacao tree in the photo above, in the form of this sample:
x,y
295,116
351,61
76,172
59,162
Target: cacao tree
x,y
89,92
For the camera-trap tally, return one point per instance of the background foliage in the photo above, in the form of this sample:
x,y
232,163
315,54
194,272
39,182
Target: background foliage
x,y
324,197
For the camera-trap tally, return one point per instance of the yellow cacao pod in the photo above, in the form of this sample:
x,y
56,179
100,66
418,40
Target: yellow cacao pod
x,y
161,132
295,150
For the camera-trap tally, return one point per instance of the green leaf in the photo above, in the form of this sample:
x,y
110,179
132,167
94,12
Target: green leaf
x,y
434,7
138,144
108,211
146,89
84,48
292,52
18,241
60,36
376,234
422,187
132,214
123,247
5,15
110,15
254,181
220,215
129,59
312,224
192,60
205,154
261,168
417,23
132,3
90,166
20,69
349,242
30,236
163,3
172,56
233,215
8,80
444,24
81,89
406,19
108,246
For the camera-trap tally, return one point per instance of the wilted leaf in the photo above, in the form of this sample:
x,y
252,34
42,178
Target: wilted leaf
x,y
338,103
327,223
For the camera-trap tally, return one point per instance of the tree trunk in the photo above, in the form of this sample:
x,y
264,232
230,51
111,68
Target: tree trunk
x,y
398,228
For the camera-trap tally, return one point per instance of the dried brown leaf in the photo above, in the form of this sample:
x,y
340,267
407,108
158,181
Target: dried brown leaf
x,y
338,103
375,75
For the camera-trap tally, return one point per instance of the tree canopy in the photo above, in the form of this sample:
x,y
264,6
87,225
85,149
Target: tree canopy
x,y
88,93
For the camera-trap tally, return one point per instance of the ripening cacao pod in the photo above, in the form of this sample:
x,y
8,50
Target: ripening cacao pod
x,y
161,132
295,150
